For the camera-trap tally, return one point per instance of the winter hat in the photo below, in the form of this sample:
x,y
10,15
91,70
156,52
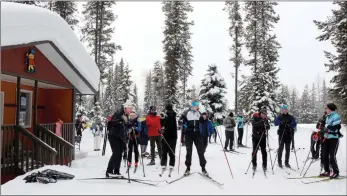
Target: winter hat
x,y
195,104
169,107
204,113
263,110
152,108
128,104
284,107
332,106
231,114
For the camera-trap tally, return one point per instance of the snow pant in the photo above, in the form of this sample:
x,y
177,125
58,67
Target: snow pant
x,y
143,148
167,150
262,145
196,138
239,139
286,141
155,140
315,148
214,136
330,149
229,137
79,132
293,140
125,147
183,138
133,146
117,147
97,141
205,141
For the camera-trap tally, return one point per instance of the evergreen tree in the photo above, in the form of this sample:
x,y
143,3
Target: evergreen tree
x,y
263,48
108,101
213,90
305,115
97,33
283,97
158,85
81,110
325,95
148,99
127,84
176,49
66,9
245,95
136,98
294,104
28,2
96,114
335,30
236,33
117,90
314,103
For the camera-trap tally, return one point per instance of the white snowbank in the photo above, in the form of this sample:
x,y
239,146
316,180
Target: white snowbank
x,y
95,166
21,24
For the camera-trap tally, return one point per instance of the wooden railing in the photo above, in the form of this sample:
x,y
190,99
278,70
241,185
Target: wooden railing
x,y
22,151
63,147
67,131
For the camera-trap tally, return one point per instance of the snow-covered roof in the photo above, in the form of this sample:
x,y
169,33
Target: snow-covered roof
x,y
24,24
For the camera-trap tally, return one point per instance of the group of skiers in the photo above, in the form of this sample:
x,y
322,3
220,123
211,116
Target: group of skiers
x,y
327,136
126,132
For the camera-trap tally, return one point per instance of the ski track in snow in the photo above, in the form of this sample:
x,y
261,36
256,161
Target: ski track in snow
x,y
94,165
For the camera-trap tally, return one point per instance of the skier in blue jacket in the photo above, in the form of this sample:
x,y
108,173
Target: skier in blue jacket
x,y
240,121
206,129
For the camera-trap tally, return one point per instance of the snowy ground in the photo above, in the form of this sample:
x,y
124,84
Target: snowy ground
x,y
94,165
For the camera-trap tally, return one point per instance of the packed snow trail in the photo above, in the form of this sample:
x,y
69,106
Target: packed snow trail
x,y
94,166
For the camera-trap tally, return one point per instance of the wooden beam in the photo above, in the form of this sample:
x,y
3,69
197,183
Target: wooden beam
x,y
35,106
73,120
18,100
16,133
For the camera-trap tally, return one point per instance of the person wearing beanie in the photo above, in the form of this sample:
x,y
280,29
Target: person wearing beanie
x,y
118,126
316,140
191,123
206,129
240,123
169,132
229,124
134,140
260,128
154,128
331,140
214,130
287,126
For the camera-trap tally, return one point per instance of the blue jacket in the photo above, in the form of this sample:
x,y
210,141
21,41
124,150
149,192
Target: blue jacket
x,y
286,122
333,125
209,128
240,122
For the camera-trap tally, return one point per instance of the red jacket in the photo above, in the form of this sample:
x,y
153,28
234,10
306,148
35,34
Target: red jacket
x,y
153,124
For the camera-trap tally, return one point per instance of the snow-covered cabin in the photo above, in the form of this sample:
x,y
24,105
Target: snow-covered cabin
x,y
43,67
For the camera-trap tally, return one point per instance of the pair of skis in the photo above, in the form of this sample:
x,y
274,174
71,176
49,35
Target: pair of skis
x,y
234,152
318,179
140,181
206,176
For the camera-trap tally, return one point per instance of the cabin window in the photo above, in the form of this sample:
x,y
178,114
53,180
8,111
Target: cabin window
x,y
25,108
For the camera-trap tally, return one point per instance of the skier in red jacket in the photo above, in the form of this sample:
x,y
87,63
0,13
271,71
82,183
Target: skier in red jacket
x,y
154,132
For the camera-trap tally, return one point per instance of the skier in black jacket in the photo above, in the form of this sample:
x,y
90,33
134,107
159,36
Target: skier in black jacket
x,y
260,127
118,127
169,132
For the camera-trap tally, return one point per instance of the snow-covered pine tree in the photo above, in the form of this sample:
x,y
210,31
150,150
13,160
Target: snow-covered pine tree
x,y
66,9
148,99
81,110
28,2
108,101
263,48
324,95
96,114
335,30
245,93
305,115
176,34
284,96
294,104
158,84
314,103
135,99
97,33
127,84
236,33
213,90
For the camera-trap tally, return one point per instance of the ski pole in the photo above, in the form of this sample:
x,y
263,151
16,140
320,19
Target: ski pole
x,y
127,149
308,154
255,152
168,145
226,158
277,152
308,167
179,154
246,134
268,145
295,152
136,146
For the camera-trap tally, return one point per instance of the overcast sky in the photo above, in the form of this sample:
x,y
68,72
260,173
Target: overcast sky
x,y
139,30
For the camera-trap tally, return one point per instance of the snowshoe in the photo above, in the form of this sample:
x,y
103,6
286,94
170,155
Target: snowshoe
x,y
151,163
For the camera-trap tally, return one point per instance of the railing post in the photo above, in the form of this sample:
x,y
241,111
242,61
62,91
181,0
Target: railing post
x,y
16,133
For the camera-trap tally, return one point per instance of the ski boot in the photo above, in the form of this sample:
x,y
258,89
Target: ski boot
x,y
226,150
287,165
151,163
163,169
280,165
187,172
115,175
324,174
264,168
334,175
136,165
204,172
170,170
254,167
